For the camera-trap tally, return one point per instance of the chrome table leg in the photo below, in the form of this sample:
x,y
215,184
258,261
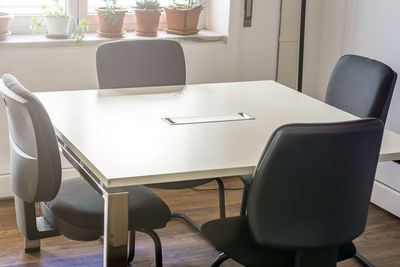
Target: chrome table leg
x,y
115,213
115,229
31,245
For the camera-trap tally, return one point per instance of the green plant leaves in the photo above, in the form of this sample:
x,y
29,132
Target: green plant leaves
x,y
187,4
148,4
58,12
81,30
35,25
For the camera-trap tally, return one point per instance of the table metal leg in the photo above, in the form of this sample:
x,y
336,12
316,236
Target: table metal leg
x,y
115,229
31,245
115,214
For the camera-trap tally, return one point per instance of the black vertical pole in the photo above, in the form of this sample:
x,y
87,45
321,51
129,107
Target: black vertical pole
x,y
301,46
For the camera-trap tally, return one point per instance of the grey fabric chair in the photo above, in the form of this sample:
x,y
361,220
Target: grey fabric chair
x,y
360,86
143,63
309,196
70,207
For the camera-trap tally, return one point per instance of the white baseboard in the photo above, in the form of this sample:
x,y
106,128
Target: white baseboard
x,y
5,188
386,198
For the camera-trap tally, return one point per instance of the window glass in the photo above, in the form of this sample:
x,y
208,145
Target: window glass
x,y
26,7
93,4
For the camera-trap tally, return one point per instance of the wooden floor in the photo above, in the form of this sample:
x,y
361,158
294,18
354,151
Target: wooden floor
x,y
181,245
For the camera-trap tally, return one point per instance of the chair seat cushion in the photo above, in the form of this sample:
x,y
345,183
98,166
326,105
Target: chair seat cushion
x,y
246,179
232,236
79,205
346,251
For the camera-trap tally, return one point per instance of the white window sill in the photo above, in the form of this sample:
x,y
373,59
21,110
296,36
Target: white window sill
x,y
93,39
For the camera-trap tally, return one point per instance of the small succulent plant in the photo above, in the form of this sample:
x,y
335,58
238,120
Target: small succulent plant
x,y
148,4
187,4
109,13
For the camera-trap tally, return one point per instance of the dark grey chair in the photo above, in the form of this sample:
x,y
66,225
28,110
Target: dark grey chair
x,y
70,207
143,63
360,86
309,196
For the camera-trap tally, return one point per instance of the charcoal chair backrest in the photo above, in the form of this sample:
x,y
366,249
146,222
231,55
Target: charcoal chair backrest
x,y
361,86
313,184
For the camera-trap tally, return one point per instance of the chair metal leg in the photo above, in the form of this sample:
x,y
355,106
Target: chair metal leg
x,y
31,245
244,201
363,260
186,219
221,189
219,260
131,246
157,246
222,210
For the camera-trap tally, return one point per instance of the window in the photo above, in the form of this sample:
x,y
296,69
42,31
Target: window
x,y
23,10
27,7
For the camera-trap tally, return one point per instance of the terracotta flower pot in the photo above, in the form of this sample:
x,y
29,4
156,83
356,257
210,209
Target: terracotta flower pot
x,y
182,21
5,19
147,22
111,29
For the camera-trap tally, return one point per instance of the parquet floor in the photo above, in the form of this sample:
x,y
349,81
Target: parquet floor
x,y
182,247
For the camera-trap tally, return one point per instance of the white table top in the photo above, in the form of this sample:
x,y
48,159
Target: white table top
x,y
121,136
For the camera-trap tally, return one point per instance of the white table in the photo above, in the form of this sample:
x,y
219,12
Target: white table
x,y
117,137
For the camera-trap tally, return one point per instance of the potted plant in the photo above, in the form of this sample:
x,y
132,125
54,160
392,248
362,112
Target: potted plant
x,y
5,19
111,19
57,20
147,17
183,17
81,30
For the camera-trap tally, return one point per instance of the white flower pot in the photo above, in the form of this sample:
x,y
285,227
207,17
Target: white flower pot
x,y
5,19
58,26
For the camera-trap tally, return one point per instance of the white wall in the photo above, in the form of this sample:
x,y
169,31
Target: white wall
x,y
249,54
258,44
325,24
218,16
366,27
289,38
252,51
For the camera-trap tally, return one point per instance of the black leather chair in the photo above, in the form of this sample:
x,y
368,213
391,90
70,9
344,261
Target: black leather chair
x,y
309,196
144,63
70,207
360,86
